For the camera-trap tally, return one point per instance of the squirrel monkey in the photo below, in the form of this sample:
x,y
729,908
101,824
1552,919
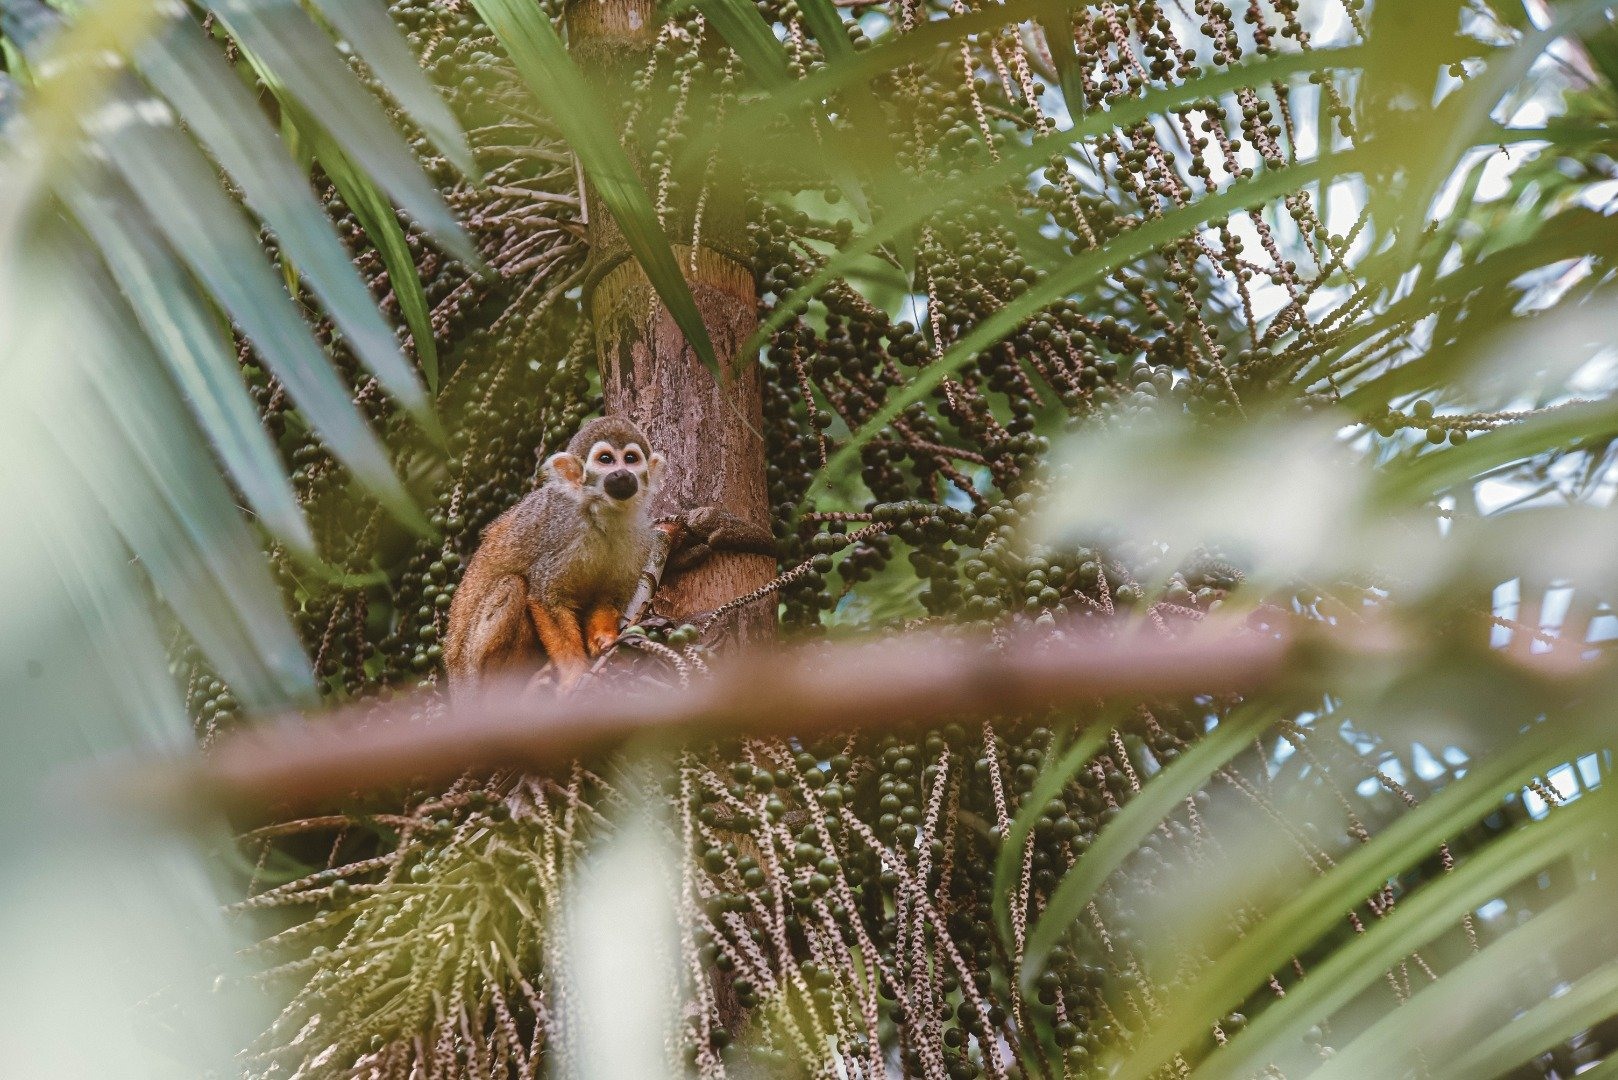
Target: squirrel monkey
x,y
552,575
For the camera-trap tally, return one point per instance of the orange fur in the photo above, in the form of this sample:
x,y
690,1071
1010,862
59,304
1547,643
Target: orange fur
x,y
564,644
601,628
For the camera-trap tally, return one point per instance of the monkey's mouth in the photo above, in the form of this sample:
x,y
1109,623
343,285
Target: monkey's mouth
x,y
621,484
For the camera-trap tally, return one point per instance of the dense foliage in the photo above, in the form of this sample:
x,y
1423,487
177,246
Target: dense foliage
x,y
1241,293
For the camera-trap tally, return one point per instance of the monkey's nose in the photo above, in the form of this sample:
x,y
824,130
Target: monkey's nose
x,y
620,484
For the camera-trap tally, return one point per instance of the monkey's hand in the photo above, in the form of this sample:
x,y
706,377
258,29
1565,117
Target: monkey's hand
x,y
708,530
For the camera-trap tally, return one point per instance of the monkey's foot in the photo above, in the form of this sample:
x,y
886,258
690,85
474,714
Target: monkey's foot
x,y
539,686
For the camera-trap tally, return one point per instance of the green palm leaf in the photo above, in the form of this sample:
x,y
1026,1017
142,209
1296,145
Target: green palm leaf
x,y
178,517
1324,902
175,244
1078,274
167,175
195,80
372,36
196,349
382,228
1544,1026
904,213
1138,818
1447,1013
1051,780
287,43
1417,920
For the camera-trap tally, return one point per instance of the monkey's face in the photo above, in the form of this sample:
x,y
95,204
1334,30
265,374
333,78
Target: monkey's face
x,y
617,471
624,473
608,464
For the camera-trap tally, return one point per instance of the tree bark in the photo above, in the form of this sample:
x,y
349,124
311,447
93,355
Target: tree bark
x,y
710,434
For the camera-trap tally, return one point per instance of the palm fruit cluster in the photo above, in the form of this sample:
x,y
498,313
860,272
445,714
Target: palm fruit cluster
x,y
836,895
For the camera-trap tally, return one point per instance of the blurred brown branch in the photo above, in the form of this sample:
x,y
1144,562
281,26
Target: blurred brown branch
x,y
884,684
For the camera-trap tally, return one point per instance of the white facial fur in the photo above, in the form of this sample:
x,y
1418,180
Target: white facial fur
x,y
605,458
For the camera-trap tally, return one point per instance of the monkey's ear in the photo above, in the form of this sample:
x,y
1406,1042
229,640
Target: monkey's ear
x,y
654,469
564,468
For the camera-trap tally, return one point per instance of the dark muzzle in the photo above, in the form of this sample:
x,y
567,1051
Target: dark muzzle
x,y
620,484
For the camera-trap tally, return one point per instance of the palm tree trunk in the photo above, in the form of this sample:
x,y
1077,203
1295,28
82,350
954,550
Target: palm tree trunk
x,y
711,435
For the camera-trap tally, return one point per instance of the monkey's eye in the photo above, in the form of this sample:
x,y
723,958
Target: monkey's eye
x,y
605,457
630,457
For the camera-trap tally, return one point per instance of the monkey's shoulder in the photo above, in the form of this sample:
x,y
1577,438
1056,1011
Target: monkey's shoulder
x,y
518,536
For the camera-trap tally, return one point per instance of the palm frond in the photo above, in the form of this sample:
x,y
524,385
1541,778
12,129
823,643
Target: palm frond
x,y
181,252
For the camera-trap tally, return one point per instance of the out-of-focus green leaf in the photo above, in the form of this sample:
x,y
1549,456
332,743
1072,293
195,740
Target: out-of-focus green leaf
x,y
212,237
1589,1002
1416,921
8,99
171,546
542,59
1324,902
1439,1015
209,233
87,665
189,72
745,31
60,100
376,40
286,42
178,517
190,339
1139,817
108,600
1290,503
